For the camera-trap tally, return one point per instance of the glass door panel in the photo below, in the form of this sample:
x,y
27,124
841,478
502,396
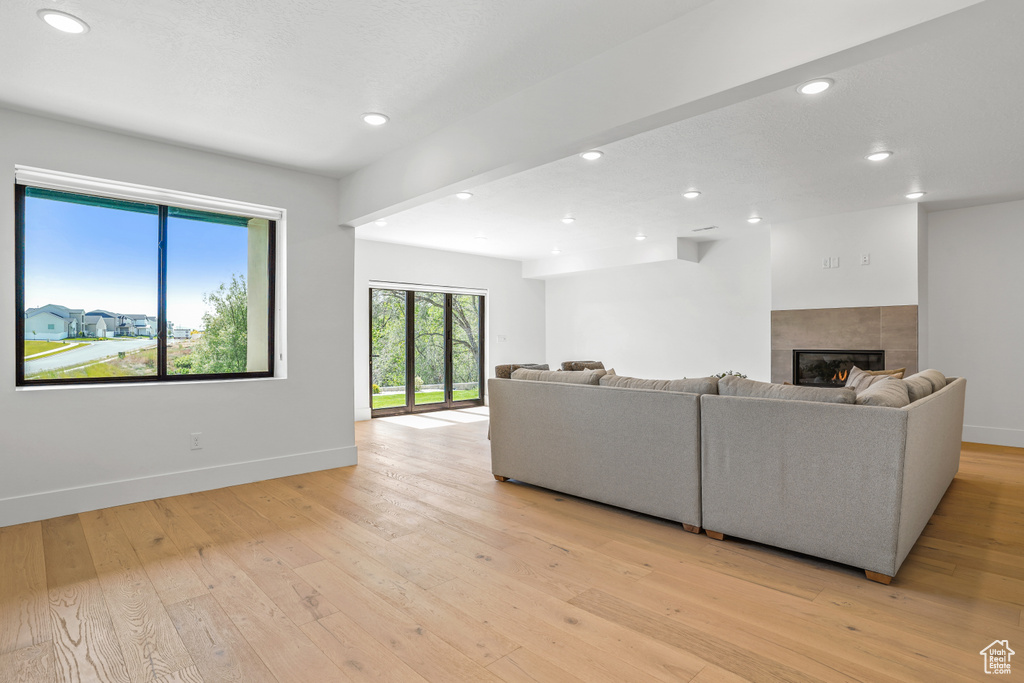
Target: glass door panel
x,y
387,348
466,347
429,334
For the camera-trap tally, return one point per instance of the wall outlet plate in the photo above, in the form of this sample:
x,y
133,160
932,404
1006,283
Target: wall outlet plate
x,y
865,259
826,262
195,441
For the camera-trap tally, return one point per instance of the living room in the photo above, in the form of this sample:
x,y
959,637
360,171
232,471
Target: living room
x,y
383,532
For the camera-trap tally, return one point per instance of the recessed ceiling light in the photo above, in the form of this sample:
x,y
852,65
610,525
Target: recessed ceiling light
x,y
463,195
818,85
62,21
691,194
556,251
592,155
915,195
381,223
640,237
879,156
754,219
375,119
568,219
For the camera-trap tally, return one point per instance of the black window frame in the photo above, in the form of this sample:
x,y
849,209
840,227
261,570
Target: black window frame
x,y
161,376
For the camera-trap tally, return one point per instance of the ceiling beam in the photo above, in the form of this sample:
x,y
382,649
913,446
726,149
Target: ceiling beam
x,y
721,53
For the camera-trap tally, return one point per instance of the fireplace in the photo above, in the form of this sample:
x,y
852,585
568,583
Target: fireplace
x,y
818,368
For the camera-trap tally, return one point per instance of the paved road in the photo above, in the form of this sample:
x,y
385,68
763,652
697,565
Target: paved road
x,y
86,353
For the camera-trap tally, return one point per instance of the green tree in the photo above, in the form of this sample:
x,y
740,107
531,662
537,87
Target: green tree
x,y
223,346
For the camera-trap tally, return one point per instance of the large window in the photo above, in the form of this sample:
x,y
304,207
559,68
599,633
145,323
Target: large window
x,y
426,350
116,290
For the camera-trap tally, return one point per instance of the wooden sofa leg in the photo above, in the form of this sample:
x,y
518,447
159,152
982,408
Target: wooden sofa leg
x,y
691,528
880,578
715,535
500,478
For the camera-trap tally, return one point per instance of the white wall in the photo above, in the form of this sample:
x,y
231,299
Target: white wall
x,y
889,235
55,444
514,306
976,314
671,319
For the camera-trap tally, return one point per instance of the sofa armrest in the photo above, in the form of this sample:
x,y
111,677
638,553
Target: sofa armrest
x,y
818,478
934,432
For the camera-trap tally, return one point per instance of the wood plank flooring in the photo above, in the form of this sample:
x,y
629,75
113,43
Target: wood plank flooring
x,y
416,565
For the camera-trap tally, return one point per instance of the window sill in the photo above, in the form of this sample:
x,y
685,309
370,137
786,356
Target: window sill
x,y
122,385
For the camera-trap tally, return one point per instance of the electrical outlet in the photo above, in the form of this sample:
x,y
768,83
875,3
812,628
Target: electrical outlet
x,y
502,338
835,261
865,259
195,441
826,262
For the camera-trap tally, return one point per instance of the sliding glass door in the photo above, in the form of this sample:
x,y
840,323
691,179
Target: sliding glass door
x,y
426,350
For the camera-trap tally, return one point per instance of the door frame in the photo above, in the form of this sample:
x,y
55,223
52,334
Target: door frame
x,y
448,403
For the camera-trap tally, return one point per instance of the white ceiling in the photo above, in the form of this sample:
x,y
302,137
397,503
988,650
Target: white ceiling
x,y
950,109
285,82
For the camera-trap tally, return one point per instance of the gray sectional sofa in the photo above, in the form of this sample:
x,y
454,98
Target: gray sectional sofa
x,y
855,484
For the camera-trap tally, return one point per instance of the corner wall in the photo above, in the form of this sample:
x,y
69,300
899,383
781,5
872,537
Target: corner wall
x,y
514,309
68,450
670,319
976,314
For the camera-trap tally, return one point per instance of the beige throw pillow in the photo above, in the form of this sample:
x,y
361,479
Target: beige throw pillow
x,y
924,383
698,385
890,392
859,380
737,386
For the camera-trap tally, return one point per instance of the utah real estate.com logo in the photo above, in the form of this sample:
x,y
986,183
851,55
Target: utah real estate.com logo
x,y
997,657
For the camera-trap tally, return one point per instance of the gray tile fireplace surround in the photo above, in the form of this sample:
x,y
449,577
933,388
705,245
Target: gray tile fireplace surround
x,y
891,328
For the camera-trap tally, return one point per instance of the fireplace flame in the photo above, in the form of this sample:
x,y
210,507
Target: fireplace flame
x,y
840,376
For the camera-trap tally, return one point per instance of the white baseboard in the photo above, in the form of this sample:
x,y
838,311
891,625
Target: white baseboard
x,y
995,436
36,506
363,414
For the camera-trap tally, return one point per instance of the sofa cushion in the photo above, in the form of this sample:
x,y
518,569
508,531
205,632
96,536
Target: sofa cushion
x,y
737,386
505,371
924,383
890,392
568,377
697,385
576,365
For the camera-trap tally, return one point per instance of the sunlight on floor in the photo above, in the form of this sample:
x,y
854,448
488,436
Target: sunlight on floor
x,y
442,418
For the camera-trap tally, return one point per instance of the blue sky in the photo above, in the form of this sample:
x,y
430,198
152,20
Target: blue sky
x,y
90,257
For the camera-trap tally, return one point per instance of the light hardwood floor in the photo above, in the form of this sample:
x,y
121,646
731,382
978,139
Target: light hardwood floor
x,y
416,565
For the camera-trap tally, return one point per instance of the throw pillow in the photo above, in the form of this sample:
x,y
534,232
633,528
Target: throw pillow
x,y
924,383
576,365
859,380
737,386
568,377
937,379
698,385
891,392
